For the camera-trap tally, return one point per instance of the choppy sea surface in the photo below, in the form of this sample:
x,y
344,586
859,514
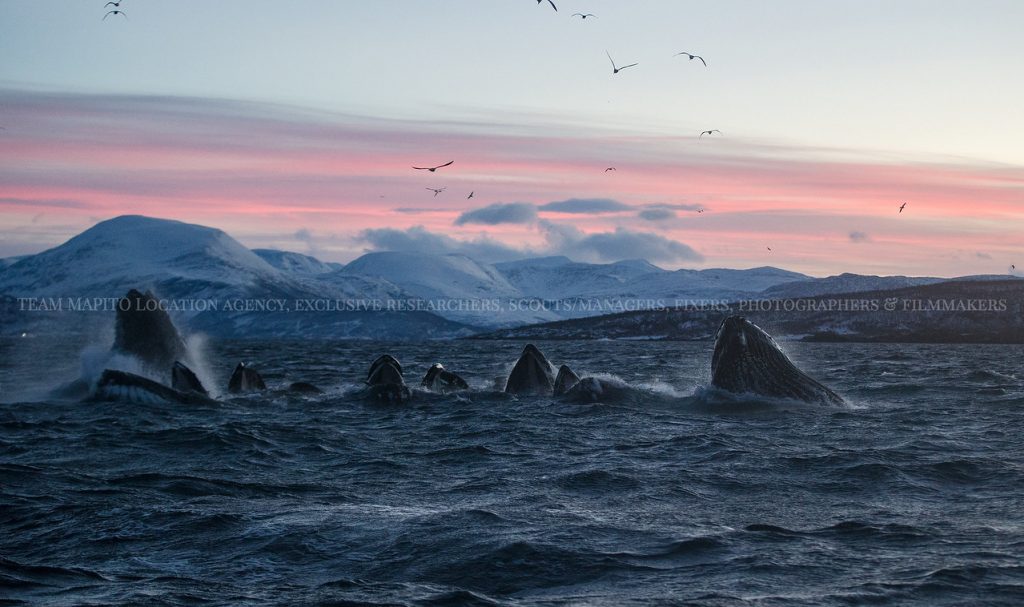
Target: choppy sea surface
x,y
669,493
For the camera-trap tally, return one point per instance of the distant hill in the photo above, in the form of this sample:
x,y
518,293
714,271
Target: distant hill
x,y
988,311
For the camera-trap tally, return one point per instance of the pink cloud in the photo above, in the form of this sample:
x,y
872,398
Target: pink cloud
x,y
263,171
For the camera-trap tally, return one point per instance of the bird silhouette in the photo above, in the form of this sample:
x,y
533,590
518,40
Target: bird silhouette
x,y
584,15
432,169
109,13
769,248
551,3
702,133
437,191
610,169
700,210
616,70
470,195
114,4
692,57
902,206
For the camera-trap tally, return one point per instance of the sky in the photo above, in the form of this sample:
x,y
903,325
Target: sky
x,y
296,126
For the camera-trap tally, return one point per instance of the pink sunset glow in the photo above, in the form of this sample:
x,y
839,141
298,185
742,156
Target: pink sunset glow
x,y
266,174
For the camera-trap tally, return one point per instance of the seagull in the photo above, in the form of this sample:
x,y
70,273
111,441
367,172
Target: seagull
x,y
901,207
551,3
1012,267
437,191
584,15
109,13
432,169
616,70
610,169
470,195
114,4
692,57
700,210
769,248
702,133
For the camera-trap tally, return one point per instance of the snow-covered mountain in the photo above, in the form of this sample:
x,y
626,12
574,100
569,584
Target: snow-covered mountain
x,y
415,293
172,258
296,263
555,278
180,261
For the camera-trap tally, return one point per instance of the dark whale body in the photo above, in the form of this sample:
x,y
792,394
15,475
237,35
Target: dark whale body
x,y
565,380
385,383
245,379
143,330
127,387
184,380
531,374
748,360
442,380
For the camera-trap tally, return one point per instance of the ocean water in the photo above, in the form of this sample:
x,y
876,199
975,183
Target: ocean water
x,y
670,493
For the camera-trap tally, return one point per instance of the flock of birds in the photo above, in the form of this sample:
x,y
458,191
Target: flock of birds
x,y
115,11
615,70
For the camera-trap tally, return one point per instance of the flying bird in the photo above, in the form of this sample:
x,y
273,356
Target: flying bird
x,y
616,70
437,191
551,3
769,248
470,195
902,206
700,210
692,57
610,169
432,169
114,4
702,133
584,15
109,13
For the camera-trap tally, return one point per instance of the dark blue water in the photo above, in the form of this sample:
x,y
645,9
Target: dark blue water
x,y
671,495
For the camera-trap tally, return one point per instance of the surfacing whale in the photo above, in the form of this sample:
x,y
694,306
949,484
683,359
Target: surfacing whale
x,y
565,380
385,383
531,375
748,360
245,379
144,330
184,380
442,380
120,386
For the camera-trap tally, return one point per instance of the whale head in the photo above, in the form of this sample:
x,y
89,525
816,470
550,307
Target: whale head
x,y
747,360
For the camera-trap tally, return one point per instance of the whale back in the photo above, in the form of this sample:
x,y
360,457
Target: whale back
x,y
531,374
565,380
143,330
747,359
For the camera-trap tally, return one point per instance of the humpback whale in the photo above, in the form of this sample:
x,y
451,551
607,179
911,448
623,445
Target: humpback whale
x,y
442,380
565,380
302,387
127,387
245,379
531,375
385,382
747,359
184,380
144,330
